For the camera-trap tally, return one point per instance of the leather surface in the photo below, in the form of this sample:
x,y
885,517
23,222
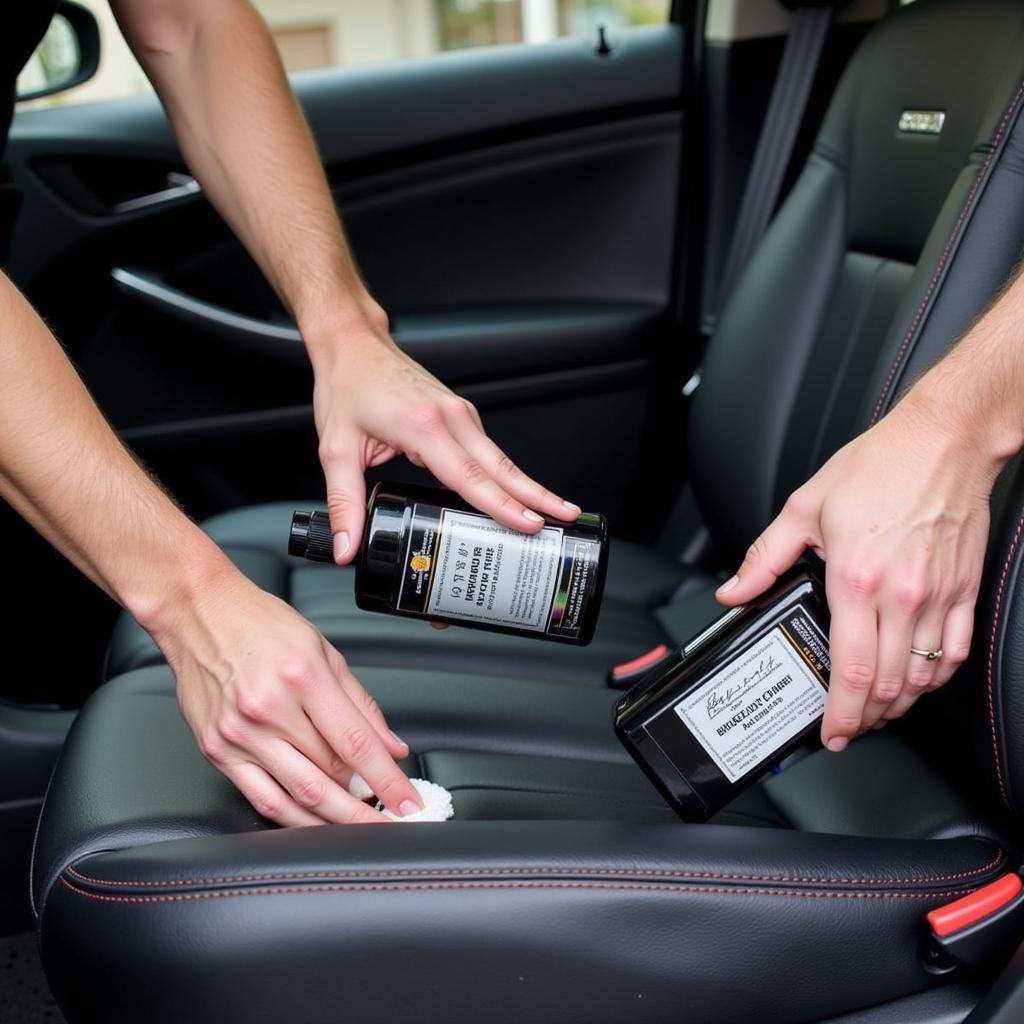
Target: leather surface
x,y
998,655
560,868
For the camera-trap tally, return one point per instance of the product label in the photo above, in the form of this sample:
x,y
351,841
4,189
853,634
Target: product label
x,y
576,583
763,698
474,568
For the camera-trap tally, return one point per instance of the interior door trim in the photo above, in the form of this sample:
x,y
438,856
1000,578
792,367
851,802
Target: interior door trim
x,y
517,340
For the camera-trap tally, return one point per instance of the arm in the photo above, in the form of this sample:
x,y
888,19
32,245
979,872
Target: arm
x,y
901,517
270,702
219,77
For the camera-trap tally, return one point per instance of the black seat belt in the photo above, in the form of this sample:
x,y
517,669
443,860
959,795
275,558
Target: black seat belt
x,y
785,114
782,121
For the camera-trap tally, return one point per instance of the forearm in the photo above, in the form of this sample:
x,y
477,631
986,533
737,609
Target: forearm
x,y
64,470
242,133
976,393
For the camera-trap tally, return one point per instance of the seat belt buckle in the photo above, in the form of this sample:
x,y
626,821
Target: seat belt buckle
x,y
973,930
623,676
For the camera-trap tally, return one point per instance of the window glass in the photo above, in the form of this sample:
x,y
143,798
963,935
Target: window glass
x,y
337,33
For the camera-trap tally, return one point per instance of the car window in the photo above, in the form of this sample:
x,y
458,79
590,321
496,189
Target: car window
x,y
338,33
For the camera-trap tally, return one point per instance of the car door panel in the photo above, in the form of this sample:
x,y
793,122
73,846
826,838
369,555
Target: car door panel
x,y
514,209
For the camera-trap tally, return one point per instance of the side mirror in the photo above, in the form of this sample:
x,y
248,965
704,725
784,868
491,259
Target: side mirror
x,y
68,54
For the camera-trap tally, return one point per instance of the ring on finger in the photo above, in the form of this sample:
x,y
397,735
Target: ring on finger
x,y
932,654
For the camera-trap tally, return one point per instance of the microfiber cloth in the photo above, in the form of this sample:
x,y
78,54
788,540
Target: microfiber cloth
x,y
437,801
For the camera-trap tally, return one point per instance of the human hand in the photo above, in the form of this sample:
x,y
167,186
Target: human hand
x,y
275,708
372,402
900,515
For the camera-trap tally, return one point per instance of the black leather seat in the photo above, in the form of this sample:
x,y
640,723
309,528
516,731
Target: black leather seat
x,y
847,288
563,890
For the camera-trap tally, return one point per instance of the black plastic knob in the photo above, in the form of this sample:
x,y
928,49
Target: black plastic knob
x,y
310,536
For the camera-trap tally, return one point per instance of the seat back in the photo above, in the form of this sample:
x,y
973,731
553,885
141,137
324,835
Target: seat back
x,y
873,265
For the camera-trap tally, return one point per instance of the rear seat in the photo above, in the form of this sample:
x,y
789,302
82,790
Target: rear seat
x,y
849,288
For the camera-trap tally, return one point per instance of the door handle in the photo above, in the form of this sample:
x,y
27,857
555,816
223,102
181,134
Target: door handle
x,y
179,186
457,346
151,291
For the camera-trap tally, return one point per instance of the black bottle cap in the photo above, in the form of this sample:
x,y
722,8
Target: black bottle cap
x,y
310,536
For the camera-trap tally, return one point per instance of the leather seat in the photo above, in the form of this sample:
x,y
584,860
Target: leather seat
x,y
851,285
563,891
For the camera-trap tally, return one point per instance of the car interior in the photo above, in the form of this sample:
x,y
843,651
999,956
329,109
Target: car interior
x,y
549,228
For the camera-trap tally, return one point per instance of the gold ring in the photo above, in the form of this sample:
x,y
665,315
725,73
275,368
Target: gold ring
x,y
932,655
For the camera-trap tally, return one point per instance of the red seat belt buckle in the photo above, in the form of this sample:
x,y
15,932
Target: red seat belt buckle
x,y
624,675
973,930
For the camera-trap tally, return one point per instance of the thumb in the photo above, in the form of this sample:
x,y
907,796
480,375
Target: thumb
x,y
346,503
767,558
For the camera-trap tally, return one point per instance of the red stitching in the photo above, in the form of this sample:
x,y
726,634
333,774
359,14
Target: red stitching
x,y
992,655
940,266
443,887
637,872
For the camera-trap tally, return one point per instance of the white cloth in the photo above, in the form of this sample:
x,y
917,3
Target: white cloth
x,y
437,801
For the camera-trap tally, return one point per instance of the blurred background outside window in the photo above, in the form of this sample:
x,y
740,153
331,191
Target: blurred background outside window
x,y
342,33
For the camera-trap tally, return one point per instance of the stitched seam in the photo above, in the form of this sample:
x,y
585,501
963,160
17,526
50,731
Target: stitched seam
x,y
510,886
992,657
944,258
470,872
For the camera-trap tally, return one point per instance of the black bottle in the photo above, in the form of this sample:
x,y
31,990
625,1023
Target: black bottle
x,y
428,554
716,714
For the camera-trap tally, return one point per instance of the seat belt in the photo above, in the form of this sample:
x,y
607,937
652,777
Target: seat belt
x,y
786,108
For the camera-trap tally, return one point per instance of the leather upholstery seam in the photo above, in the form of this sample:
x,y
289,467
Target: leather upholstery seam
x,y
993,640
996,861
511,886
940,267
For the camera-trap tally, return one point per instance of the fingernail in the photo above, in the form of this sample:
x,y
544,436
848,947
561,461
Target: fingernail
x,y
398,739
341,543
528,513
407,807
728,585
573,508
837,744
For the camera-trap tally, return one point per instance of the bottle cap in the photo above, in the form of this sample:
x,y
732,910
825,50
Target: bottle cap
x,y
310,536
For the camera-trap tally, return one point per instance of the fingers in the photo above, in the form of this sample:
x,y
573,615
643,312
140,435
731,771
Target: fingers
x,y
957,631
895,636
480,473
369,708
312,791
358,742
927,636
346,494
268,799
457,469
853,643
468,431
785,540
